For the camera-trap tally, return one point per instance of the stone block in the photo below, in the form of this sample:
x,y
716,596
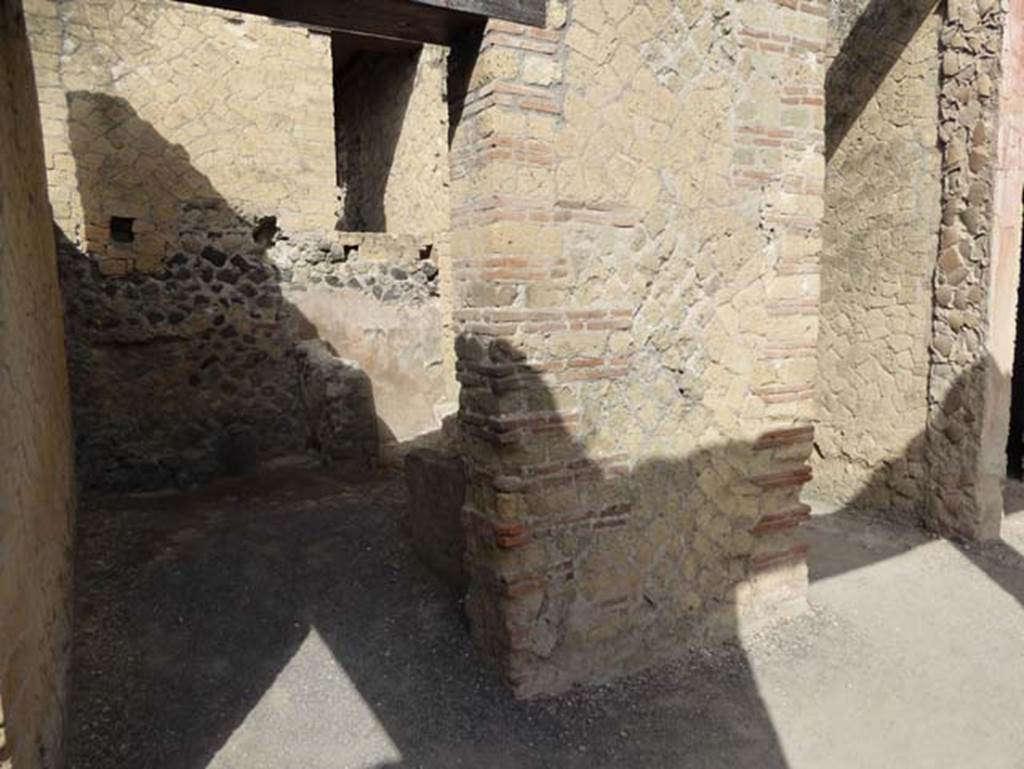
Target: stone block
x,y
338,400
437,490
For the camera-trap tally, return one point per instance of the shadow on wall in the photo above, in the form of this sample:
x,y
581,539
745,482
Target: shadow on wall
x,y
186,359
862,63
601,568
371,98
946,456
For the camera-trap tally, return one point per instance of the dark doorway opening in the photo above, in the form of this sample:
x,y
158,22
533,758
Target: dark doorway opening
x,y
373,83
1015,442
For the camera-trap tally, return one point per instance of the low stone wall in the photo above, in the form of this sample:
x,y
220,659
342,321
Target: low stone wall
x,y
338,401
191,370
437,492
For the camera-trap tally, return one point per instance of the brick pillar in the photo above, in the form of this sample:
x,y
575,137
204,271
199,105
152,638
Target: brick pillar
x,y
559,552
510,281
783,163
523,355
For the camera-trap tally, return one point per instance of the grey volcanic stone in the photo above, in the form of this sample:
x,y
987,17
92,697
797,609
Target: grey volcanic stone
x,y
437,491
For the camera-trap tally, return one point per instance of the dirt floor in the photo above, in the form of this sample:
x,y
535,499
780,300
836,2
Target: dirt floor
x,y
279,621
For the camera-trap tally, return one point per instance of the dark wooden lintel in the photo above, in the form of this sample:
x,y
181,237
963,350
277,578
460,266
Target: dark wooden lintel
x,y
421,21
530,12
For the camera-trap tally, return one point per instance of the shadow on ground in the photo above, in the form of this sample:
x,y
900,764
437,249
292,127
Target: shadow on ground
x,y
919,518
280,621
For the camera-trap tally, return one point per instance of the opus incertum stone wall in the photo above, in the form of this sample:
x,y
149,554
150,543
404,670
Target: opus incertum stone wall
x,y
637,201
926,443
882,209
978,264
36,482
248,100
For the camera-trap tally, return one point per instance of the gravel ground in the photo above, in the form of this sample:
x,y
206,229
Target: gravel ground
x,y
280,621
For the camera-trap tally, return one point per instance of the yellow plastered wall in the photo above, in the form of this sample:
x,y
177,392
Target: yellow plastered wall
x,y
36,486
